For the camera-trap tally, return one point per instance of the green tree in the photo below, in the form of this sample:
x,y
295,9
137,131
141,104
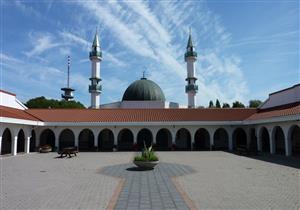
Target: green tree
x,y
255,103
42,102
226,105
238,104
211,104
218,105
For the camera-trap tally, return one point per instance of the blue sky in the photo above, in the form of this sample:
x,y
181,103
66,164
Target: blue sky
x,y
246,49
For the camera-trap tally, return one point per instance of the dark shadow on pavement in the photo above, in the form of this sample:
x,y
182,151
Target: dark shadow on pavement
x,y
138,169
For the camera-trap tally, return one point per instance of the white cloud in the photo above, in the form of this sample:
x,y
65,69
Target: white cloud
x,y
41,42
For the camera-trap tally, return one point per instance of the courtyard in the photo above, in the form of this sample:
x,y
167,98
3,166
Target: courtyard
x,y
182,180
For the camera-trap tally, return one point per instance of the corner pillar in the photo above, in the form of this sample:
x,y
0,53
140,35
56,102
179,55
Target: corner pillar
x,y
14,145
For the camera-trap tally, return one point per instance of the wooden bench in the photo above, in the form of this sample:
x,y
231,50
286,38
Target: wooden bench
x,y
68,151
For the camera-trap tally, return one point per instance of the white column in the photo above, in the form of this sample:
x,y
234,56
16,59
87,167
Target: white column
x,y
27,144
259,143
230,144
248,134
211,138
56,141
287,143
192,140
76,140
14,145
134,137
0,144
272,141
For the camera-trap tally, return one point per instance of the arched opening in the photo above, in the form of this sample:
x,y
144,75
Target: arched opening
x,y
66,139
295,140
125,140
106,140
202,140
220,139
253,140
6,142
32,142
183,139
163,139
21,141
144,137
265,140
86,140
278,137
239,138
47,138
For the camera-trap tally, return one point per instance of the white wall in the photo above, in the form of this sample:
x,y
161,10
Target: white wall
x,y
286,96
10,100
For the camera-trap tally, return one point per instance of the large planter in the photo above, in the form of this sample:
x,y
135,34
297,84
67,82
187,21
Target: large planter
x,y
45,149
145,164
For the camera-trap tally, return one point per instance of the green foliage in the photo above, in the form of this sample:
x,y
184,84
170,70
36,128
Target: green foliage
x,y
226,105
218,105
211,104
255,103
238,104
42,102
148,154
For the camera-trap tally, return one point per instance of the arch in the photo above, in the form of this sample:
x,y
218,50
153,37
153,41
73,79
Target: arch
x,y
220,139
106,140
239,138
265,140
253,140
294,139
6,142
47,137
183,139
163,139
202,140
66,139
86,140
32,142
278,138
144,136
21,141
125,140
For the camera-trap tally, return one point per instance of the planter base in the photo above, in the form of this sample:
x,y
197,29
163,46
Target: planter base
x,y
146,164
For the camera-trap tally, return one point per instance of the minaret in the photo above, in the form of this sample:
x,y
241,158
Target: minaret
x,y
68,92
95,88
190,58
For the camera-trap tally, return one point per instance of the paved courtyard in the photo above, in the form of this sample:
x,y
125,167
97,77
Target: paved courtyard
x,y
183,180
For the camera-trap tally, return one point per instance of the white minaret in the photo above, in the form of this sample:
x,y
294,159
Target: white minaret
x,y
190,58
95,87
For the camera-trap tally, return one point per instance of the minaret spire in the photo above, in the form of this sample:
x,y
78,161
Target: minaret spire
x,y
190,57
95,87
68,92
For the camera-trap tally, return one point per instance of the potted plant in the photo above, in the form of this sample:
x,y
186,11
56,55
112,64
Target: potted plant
x,y
45,148
147,160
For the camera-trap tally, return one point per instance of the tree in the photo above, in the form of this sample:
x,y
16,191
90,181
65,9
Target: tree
x,y
255,103
218,105
42,102
226,105
211,104
238,104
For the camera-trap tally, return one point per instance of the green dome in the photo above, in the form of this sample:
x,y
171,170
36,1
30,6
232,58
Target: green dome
x,y
143,90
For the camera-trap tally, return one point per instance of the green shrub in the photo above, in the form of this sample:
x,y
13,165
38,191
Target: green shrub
x,y
148,154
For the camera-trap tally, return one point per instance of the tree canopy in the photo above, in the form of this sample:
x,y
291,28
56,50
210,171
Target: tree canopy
x,y
226,105
211,104
238,104
42,102
255,103
218,105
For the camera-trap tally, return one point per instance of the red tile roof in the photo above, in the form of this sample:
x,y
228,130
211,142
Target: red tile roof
x,y
281,111
16,113
140,115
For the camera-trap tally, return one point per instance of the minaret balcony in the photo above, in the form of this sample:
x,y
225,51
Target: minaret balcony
x,y
191,87
95,88
190,54
96,54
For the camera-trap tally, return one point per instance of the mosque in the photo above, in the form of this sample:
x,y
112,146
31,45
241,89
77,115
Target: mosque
x,y
144,116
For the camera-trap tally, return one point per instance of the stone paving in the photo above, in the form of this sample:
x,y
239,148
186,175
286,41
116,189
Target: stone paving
x,y
151,189
220,181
